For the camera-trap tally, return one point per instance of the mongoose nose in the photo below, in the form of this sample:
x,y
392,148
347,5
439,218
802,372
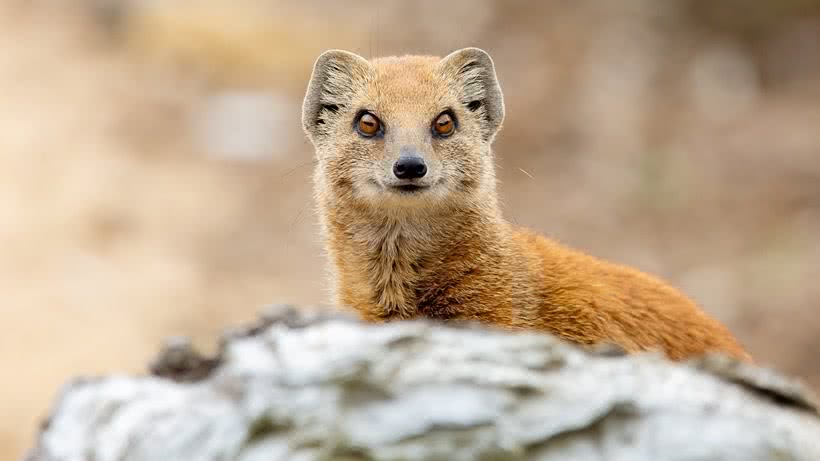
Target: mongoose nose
x,y
409,167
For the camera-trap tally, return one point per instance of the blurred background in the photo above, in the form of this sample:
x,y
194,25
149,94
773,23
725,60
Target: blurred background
x,y
155,181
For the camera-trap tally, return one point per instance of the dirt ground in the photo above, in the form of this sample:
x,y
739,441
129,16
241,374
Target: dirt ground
x,y
154,180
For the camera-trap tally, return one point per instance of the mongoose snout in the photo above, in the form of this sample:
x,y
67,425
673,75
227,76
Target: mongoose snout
x,y
409,167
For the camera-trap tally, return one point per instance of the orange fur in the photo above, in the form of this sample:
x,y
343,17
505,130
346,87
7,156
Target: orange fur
x,y
446,253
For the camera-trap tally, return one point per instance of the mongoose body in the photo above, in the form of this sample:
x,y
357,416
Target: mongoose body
x,y
406,195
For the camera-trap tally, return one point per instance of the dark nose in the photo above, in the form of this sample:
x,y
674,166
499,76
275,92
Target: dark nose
x,y
409,167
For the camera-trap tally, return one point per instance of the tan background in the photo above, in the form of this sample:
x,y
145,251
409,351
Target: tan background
x,y
154,179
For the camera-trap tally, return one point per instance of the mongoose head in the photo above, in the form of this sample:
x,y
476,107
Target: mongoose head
x,y
403,133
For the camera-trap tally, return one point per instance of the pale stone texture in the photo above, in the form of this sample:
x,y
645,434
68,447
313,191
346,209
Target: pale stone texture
x,y
304,385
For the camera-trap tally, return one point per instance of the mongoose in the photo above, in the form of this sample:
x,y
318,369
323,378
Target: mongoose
x,y
406,193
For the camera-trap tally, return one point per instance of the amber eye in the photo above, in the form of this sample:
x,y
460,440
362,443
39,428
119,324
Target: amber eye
x,y
368,125
444,125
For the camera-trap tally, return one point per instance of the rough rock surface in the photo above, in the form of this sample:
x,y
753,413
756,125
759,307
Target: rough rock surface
x,y
302,385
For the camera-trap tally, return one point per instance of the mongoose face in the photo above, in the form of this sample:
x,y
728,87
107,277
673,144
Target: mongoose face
x,y
403,133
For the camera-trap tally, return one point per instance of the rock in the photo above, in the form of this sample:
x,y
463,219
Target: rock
x,y
304,385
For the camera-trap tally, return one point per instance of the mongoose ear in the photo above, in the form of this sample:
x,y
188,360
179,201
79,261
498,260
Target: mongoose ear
x,y
479,91
335,76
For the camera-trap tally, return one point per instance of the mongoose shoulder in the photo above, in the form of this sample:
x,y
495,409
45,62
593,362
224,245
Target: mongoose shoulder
x,y
406,193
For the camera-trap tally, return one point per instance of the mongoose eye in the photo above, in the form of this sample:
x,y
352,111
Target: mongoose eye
x,y
369,125
444,125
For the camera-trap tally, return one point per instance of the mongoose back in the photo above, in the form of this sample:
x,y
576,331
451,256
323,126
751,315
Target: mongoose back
x,y
406,193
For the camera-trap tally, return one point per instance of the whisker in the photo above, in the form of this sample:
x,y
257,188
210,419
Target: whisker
x,y
292,225
306,216
296,168
513,217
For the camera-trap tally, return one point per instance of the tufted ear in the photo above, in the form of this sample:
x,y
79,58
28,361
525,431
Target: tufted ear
x,y
474,75
336,75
